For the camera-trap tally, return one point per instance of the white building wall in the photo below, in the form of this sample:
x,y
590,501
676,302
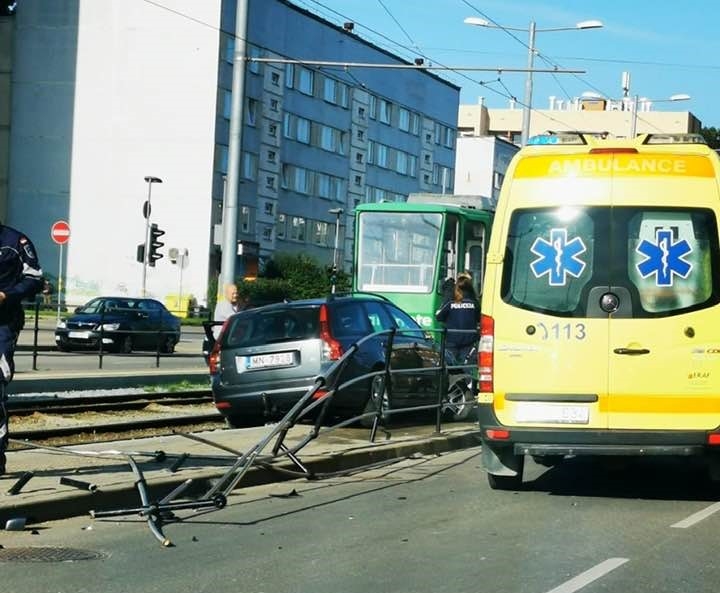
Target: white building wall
x,y
151,113
474,158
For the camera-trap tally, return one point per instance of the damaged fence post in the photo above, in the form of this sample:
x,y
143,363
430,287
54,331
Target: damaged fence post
x,y
78,484
177,463
17,486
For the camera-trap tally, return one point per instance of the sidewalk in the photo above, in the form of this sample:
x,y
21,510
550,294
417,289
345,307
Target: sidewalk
x,y
109,483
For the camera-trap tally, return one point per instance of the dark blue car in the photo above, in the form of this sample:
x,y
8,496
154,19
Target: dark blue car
x,y
121,325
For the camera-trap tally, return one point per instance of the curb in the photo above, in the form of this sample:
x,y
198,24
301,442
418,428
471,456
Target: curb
x,y
125,496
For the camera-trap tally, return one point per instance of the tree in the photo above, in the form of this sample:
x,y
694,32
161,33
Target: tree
x,y
712,137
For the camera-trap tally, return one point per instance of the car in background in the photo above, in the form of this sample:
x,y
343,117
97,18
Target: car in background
x,y
265,359
121,324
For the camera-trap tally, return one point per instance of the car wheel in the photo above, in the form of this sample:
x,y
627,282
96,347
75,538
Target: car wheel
x,y
125,346
460,403
244,421
378,393
168,345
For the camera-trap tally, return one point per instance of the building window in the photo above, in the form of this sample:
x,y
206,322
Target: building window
x,y
361,112
361,135
271,156
320,233
373,107
248,166
303,130
358,180
498,179
275,78
226,103
382,156
401,162
306,82
270,182
412,166
323,185
274,105
269,208
254,66
251,111
385,115
297,229
404,119
280,226
290,76
245,215
229,49
221,158
267,233
359,158
272,130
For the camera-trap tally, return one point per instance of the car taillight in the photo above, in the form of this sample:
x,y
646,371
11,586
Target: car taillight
x,y
332,349
486,354
214,356
214,359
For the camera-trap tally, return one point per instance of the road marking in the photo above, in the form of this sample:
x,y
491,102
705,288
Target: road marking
x,y
590,575
697,517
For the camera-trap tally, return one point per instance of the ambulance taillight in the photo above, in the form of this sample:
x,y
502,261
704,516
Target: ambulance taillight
x,y
486,354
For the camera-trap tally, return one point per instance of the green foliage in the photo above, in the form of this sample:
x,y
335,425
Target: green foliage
x,y
292,276
712,136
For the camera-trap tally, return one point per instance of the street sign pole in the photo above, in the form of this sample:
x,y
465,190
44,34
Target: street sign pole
x,y
60,279
60,233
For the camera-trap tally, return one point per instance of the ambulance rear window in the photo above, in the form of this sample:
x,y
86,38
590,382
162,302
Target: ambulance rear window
x,y
658,261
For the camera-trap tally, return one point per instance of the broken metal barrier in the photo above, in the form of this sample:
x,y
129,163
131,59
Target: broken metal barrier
x,y
313,405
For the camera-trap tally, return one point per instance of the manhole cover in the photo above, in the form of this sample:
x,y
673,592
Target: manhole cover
x,y
37,554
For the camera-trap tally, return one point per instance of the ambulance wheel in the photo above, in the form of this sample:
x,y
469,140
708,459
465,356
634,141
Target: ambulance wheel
x,y
504,482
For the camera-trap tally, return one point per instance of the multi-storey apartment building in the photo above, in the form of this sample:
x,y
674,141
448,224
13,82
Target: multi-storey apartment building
x,y
105,94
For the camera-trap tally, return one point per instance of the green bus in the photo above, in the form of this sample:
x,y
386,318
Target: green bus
x,y
406,251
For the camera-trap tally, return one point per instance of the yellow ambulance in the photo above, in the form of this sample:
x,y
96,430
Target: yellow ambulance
x,y
600,330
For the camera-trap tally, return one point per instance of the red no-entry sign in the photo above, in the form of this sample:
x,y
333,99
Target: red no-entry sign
x,y
60,232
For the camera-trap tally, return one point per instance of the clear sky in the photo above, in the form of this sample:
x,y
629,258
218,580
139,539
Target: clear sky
x,y
667,47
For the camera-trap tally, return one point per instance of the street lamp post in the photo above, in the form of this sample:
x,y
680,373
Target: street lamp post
x,y
531,30
337,212
146,212
636,104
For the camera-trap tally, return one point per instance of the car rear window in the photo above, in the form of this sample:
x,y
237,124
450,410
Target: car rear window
x,y
255,327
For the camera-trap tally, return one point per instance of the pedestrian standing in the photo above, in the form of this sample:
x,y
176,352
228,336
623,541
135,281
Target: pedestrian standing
x,y
461,316
20,279
231,304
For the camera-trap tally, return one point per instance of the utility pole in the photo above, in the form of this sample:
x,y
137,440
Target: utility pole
x,y
229,215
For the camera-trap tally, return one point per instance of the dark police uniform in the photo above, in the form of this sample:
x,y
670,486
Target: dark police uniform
x,y
462,315
20,279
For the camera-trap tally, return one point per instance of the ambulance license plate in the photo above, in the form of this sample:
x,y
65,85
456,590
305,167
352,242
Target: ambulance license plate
x,y
531,412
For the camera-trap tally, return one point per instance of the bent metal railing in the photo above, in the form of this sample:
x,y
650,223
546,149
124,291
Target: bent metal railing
x,y
314,404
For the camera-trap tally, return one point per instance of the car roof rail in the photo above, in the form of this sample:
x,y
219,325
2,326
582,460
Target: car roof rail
x,y
359,293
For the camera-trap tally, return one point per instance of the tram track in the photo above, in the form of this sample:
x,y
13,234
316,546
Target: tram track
x,y
74,420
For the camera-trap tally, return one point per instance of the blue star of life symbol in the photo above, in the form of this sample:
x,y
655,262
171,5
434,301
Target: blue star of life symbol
x,y
664,258
558,257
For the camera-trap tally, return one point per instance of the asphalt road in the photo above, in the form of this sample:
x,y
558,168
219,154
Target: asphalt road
x,y
429,524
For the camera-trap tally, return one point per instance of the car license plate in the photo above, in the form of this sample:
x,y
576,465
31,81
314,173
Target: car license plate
x,y
84,335
264,361
551,413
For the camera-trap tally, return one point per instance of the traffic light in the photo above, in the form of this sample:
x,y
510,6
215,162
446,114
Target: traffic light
x,y
155,234
140,253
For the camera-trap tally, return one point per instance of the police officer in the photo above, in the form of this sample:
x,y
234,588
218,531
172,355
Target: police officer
x,y
20,279
461,313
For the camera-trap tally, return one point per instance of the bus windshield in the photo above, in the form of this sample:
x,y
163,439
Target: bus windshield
x,y
397,251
